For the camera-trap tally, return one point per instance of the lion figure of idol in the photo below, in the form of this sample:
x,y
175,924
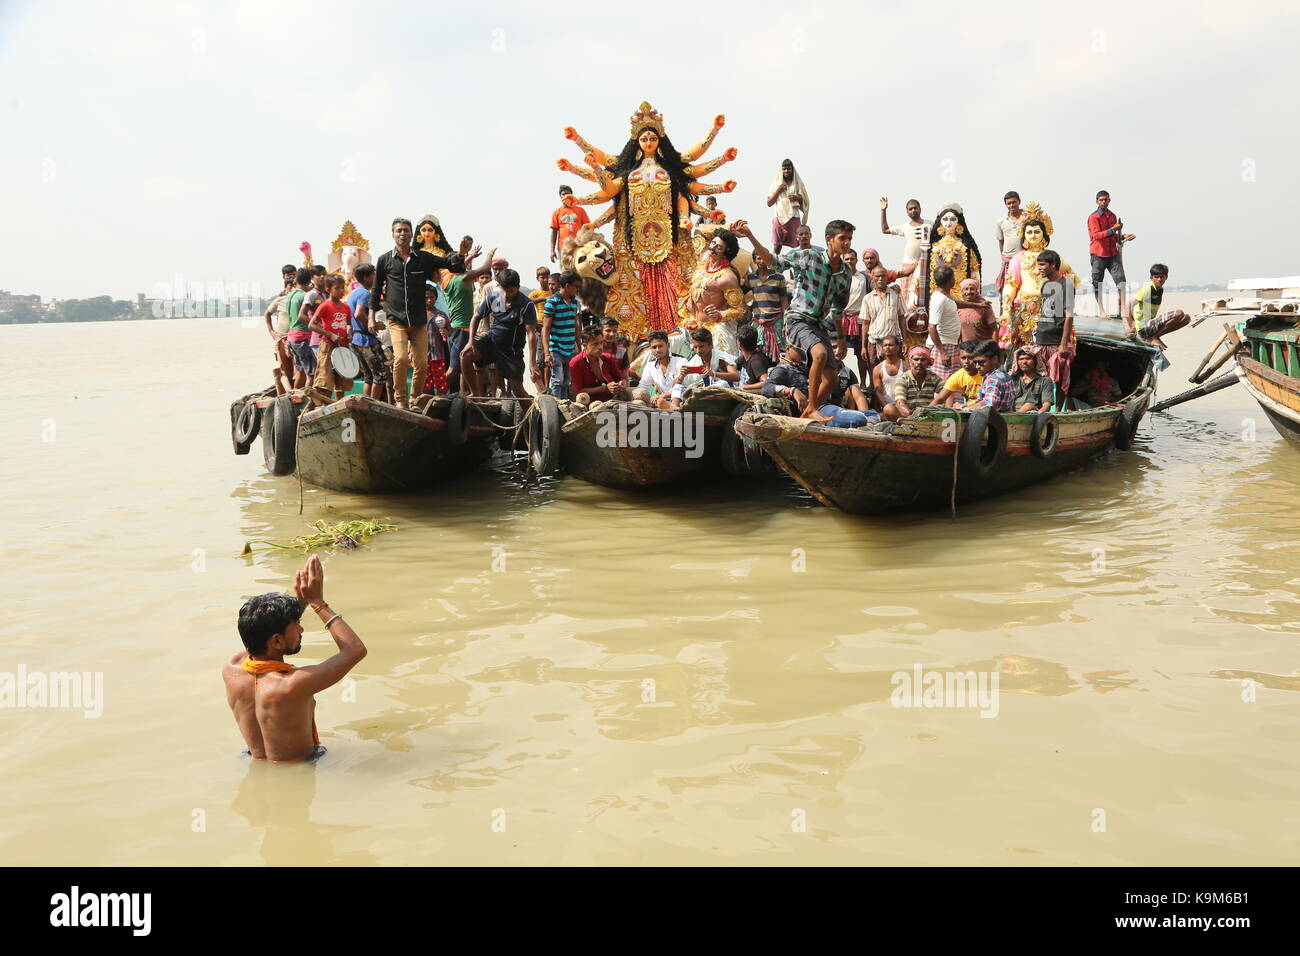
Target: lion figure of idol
x,y
591,255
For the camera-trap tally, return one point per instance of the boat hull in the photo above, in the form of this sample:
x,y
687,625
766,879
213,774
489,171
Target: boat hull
x,y
363,446
863,471
586,453
1277,394
629,445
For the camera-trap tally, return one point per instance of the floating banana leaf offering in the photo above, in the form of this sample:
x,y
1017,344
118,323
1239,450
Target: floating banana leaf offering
x,y
346,535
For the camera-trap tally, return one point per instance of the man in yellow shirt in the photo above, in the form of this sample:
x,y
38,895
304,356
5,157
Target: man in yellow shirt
x,y
963,386
1144,318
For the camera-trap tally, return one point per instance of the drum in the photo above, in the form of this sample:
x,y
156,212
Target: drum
x,y
345,362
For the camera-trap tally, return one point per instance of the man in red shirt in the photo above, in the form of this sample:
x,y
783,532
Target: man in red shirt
x,y
565,222
1106,237
332,322
594,376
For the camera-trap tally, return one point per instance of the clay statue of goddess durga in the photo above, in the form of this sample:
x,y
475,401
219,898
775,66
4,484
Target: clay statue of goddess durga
x,y
652,190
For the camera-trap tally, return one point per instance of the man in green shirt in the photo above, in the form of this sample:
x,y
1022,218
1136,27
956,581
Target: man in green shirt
x,y
458,287
1143,319
1034,392
304,359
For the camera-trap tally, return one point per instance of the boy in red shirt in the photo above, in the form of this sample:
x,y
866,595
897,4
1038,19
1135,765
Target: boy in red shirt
x,y
333,320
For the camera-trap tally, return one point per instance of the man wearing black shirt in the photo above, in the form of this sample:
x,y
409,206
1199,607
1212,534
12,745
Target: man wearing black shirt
x,y
514,321
400,277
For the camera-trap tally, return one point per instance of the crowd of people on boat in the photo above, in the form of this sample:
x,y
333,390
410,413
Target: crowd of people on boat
x,y
425,310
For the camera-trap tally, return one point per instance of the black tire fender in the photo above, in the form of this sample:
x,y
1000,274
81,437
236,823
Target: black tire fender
x,y
976,457
245,422
458,420
544,435
268,435
1043,435
280,435
1130,417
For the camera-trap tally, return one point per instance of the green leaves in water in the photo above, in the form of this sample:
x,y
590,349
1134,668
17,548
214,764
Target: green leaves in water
x,y
344,535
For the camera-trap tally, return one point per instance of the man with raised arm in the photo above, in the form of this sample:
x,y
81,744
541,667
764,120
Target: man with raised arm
x,y
274,702
819,284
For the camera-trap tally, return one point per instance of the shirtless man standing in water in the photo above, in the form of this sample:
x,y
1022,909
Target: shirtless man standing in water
x,y
274,702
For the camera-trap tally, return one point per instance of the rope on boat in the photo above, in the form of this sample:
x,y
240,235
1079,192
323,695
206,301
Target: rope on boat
x,y
956,451
297,438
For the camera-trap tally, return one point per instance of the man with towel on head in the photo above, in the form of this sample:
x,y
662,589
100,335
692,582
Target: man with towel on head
x,y
274,702
790,197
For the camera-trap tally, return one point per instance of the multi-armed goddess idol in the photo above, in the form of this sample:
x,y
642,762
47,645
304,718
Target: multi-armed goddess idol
x,y
652,188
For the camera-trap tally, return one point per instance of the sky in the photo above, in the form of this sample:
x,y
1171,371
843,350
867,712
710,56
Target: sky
x,y
167,143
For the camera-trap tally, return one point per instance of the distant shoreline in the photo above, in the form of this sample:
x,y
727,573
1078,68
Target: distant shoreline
x,y
233,312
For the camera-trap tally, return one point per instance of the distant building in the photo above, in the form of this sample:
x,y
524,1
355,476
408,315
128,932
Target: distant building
x,y
8,300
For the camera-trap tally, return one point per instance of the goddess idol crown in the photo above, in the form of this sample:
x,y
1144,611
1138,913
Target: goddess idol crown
x,y
1035,211
647,116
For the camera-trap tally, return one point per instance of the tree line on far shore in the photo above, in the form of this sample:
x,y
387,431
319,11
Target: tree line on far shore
x,y
103,308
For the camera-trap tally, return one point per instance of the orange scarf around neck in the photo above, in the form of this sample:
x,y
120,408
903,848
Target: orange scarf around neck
x,y
257,668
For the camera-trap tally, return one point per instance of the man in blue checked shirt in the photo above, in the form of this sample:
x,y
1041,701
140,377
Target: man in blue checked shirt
x,y
999,389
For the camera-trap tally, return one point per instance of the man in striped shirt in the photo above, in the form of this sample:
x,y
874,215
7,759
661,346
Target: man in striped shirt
x,y
768,302
559,333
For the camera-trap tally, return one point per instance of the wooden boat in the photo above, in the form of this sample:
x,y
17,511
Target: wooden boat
x,y
633,445
1264,340
914,464
365,446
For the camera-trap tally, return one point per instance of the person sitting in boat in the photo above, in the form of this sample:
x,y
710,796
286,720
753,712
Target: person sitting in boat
x,y
594,374
847,391
963,385
274,702
754,362
886,372
1142,320
847,405
997,390
1034,392
788,378
1095,387
619,353
915,388
707,368
658,385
